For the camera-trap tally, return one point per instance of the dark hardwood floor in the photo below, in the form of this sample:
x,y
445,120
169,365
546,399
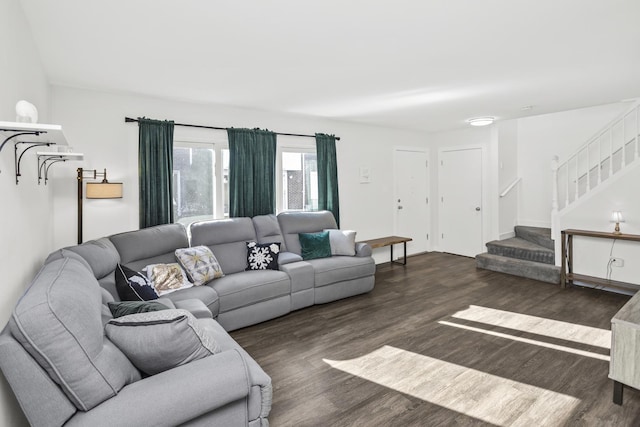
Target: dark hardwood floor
x,y
441,343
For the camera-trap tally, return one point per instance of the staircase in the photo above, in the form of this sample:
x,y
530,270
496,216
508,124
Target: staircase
x,y
530,254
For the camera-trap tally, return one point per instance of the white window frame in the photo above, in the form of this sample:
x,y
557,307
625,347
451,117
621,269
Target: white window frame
x,y
218,145
289,145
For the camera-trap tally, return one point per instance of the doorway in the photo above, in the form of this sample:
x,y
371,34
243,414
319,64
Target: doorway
x,y
460,193
411,202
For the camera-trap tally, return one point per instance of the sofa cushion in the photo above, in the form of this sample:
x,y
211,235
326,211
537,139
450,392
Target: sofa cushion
x,y
227,239
268,230
161,340
339,268
100,254
199,263
151,245
262,256
292,223
250,287
133,286
343,242
58,321
315,245
124,308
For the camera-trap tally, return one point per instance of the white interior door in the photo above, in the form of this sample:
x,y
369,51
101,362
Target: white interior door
x,y
411,202
460,192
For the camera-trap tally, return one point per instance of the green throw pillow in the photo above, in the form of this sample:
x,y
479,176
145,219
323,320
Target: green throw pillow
x,y
315,245
124,308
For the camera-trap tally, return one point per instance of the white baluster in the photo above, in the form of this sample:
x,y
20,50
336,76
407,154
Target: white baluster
x,y
554,190
599,162
637,130
624,144
576,177
610,152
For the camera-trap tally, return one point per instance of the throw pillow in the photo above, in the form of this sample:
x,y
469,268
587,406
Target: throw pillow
x,y
133,286
343,242
124,308
160,340
315,245
167,278
262,256
200,264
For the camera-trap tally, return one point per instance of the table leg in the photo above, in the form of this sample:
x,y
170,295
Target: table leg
x,y
405,255
618,388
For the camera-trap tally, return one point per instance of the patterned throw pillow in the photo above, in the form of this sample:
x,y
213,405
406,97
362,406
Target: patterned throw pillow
x,y
200,264
133,286
262,256
167,278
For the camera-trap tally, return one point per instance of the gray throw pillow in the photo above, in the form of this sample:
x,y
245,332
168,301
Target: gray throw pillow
x,y
160,340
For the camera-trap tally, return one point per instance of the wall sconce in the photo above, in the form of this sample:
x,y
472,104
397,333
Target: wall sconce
x,y
616,216
95,190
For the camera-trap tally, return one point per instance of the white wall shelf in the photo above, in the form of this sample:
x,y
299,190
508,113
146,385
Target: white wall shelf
x,y
30,135
48,158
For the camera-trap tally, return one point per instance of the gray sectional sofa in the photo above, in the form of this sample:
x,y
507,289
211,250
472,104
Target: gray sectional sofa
x,y
64,370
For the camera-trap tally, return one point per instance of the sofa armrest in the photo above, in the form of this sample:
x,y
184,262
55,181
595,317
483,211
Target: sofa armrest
x,y
175,396
363,249
195,307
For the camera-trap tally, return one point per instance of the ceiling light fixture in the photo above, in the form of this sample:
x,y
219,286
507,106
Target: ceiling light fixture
x,y
481,121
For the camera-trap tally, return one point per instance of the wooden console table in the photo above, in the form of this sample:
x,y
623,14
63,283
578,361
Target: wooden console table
x,y
568,276
390,241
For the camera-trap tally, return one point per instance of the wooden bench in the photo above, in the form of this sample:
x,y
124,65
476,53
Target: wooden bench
x,y
390,241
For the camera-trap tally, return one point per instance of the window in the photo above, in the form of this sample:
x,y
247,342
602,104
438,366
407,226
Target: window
x,y
201,178
298,184
200,182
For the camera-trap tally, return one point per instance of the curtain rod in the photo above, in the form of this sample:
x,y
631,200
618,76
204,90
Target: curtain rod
x,y
130,120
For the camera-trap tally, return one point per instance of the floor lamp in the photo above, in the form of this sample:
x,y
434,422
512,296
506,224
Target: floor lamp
x,y
95,190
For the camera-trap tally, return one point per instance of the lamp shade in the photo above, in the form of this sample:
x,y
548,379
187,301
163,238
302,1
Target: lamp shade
x,y
616,216
104,190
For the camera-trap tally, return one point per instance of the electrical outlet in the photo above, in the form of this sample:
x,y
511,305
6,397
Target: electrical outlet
x,y
617,262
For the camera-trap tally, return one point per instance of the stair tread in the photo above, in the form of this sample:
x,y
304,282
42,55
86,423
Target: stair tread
x,y
538,235
549,273
518,261
520,243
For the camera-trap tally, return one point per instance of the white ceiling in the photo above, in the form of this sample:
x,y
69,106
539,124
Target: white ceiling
x,y
426,65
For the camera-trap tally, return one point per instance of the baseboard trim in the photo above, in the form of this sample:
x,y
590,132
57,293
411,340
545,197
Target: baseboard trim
x,y
507,235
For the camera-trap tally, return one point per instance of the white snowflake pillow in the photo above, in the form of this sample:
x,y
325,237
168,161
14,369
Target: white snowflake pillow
x,y
262,256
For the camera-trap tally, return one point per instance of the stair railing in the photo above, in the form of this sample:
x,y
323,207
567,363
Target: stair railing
x,y
602,156
510,187
605,154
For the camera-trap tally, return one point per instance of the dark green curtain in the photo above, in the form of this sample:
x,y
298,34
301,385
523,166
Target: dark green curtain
x,y
327,175
155,167
252,172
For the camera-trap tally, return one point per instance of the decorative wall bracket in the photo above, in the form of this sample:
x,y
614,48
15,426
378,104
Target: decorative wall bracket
x,y
18,158
47,159
39,135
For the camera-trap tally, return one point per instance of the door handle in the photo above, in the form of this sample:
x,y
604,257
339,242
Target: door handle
x,y
478,208
399,207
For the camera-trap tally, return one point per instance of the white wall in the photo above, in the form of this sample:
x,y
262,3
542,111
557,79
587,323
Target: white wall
x,y
25,213
591,256
94,124
542,137
507,171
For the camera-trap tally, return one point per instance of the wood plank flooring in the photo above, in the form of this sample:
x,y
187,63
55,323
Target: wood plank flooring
x,y
440,343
